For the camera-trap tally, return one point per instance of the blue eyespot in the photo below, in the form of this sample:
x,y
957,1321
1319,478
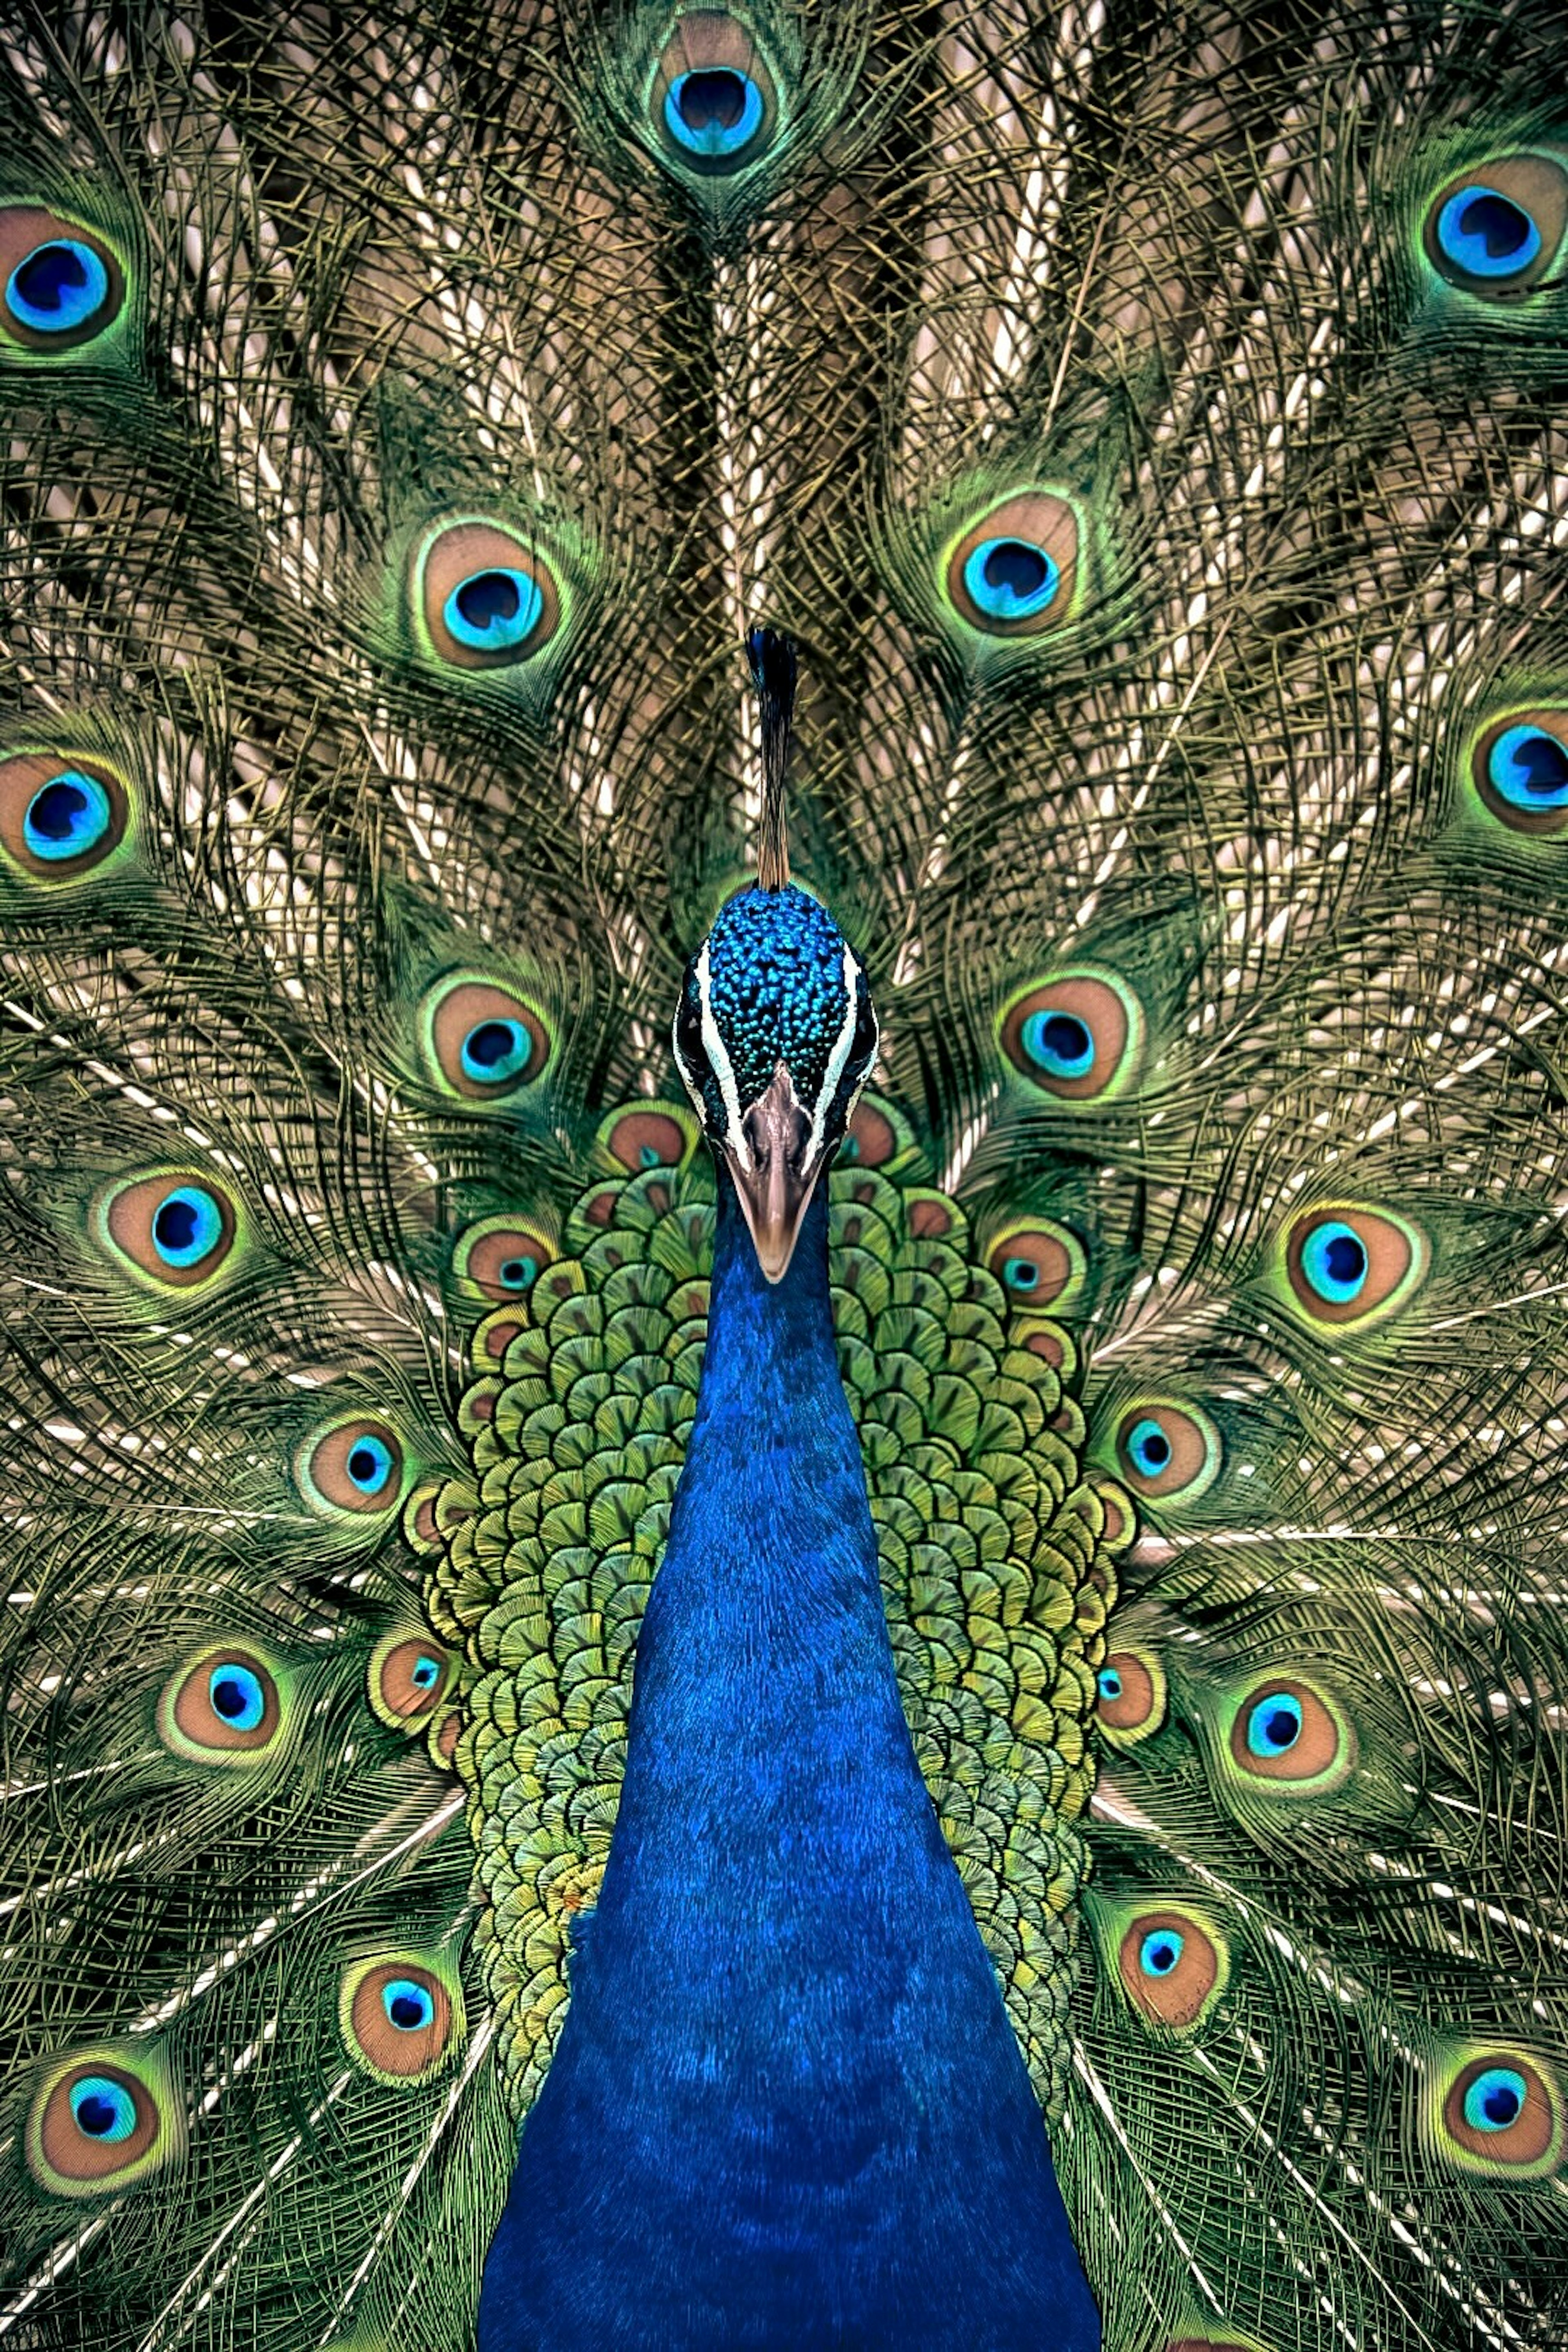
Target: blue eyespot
x,y
1160,1950
426,1672
397,2016
714,112
1334,1262
1148,1448
104,2108
1274,1724
187,1225
58,287
1529,769
484,1041
1059,1042
1021,1274
494,1050
1486,234
491,611
518,1273
1108,1683
1011,579
66,816
1495,2100
1347,1264
236,1696
408,2006
370,1464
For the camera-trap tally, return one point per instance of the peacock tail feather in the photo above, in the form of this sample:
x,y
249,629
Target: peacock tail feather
x,y
1149,424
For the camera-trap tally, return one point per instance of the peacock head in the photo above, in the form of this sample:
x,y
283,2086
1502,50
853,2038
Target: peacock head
x,y
775,1038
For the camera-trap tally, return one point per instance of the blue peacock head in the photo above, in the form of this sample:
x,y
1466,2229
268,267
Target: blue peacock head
x,y
775,1033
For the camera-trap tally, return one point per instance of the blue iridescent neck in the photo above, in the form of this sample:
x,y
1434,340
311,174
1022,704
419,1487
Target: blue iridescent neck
x,y
788,2108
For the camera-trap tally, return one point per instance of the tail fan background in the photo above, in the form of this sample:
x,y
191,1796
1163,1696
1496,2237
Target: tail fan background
x,y
1149,422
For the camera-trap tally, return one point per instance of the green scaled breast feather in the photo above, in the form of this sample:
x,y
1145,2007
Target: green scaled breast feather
x,y
997,1548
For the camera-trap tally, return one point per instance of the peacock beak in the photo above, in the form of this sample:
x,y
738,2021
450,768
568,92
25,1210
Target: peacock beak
x,y
775,1171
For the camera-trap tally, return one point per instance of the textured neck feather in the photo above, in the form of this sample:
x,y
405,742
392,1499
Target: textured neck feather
x,y
788,2108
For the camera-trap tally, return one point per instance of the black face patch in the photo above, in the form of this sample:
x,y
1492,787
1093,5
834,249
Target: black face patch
x,y
692,1054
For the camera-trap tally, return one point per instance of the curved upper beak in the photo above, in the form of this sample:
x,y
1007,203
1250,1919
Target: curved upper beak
x,y
775,1188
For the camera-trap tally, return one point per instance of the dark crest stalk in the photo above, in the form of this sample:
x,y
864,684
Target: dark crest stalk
x,y
773,671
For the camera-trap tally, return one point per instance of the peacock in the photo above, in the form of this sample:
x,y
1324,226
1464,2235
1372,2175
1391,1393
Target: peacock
x,y
783,1076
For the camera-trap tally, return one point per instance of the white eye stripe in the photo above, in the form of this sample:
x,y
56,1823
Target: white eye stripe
x,y
720,1064
835,1060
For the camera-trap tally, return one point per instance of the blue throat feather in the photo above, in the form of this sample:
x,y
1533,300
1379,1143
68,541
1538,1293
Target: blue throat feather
x,y
787,2108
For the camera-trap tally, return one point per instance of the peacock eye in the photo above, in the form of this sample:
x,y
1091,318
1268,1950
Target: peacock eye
x,y
398,2017
502,1259
484,1041
100,2122
236,1695
1496,231
1499,2112
1520,772
1173,1967
409,1674
715,112
407,2004
224,1708
58,287
63,286
1013,573
639,1140
493,1052
1285,1732
176,1231
1160,1950
1346,1266
187,1227
1078,1037
1130,1697
1039,1265
356,1466
60,818
66,817
1060,1045
493,612
1148,1449
1168,1453
1274,1725
1495,2099
486,599
371,1464
1011,579
103,2107
713,100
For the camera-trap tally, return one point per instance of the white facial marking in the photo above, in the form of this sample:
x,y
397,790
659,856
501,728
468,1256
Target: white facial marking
x,y
836,1061
721,1065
